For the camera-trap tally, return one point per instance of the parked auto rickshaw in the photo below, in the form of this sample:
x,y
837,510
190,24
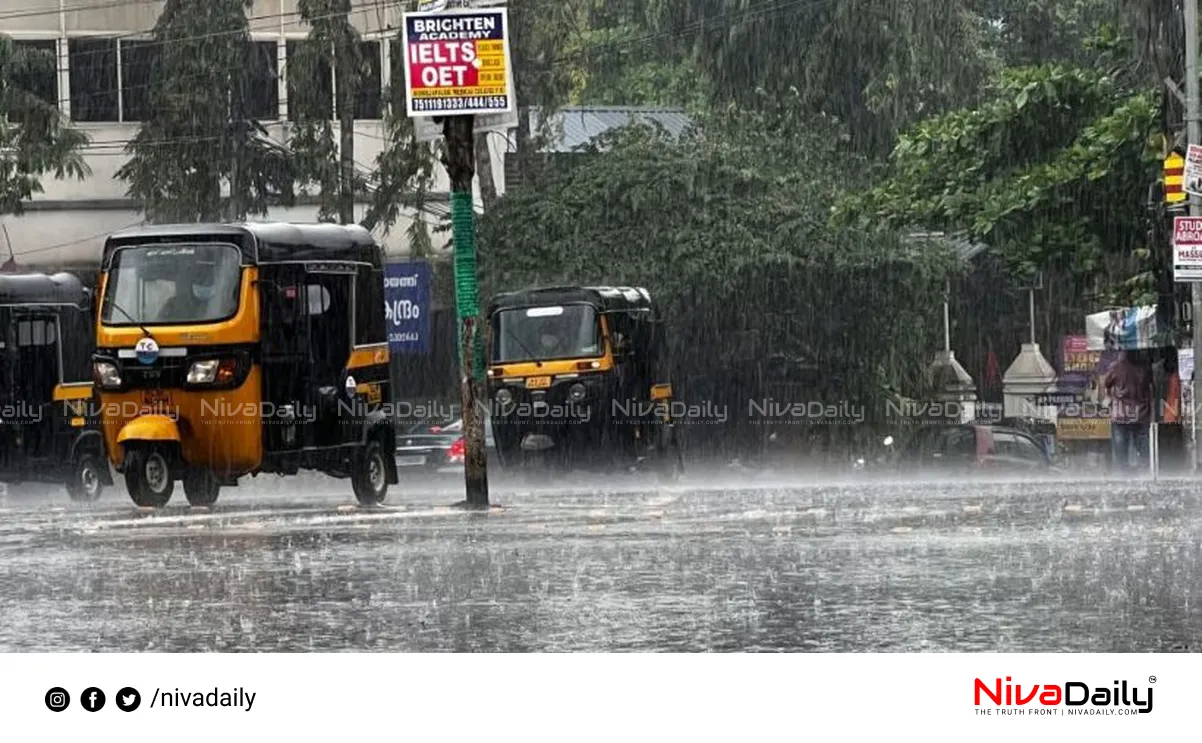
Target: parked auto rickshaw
x,y
232,349
577,376
49,427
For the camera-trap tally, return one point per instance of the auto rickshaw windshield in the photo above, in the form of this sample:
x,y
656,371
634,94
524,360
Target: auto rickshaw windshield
x,y
546,333
172,284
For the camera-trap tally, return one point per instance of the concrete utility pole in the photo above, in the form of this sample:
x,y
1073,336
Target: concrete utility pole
x,y
460,161
1193,120
438,71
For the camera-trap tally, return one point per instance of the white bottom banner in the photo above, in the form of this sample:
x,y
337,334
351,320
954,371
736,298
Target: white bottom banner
x,y
597,697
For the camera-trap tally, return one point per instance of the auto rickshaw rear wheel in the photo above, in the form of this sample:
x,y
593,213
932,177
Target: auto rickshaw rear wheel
x,y
201,487
148,475
369,475
86,483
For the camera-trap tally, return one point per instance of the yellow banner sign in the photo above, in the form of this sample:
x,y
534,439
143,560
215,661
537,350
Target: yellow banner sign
x,y
1082,428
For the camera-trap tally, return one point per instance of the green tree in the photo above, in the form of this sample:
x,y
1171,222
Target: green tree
x,y
198,137
1052,169
1032,32
876,65
32,130
615,57
326,159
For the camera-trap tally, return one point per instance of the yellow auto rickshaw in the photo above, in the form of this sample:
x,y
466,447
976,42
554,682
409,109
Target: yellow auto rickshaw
x,y
578,377
231,349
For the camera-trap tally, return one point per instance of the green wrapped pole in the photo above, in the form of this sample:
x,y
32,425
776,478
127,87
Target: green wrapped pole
x,y
467,285
460,161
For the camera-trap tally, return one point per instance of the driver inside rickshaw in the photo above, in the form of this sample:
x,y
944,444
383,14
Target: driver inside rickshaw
x,y
193,294
559,339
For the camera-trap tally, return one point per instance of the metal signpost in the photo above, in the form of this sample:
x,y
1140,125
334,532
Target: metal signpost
x,y
457,67
1194,134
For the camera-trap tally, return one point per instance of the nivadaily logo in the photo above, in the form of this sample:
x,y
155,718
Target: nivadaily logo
x,y
1072,697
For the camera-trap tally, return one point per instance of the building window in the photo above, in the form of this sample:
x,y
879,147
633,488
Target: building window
x,y
138,61
262,89
93,66
40,76
309,70
368,102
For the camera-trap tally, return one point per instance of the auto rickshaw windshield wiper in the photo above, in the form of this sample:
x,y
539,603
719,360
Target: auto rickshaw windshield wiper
x,y
130,317
509,334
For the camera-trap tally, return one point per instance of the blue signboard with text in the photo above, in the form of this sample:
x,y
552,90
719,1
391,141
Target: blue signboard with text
x,y
407,306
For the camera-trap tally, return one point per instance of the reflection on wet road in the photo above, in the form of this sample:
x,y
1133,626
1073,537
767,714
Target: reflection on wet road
x,y
1001,567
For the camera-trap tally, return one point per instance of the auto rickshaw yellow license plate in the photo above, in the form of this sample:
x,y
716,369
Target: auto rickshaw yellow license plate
x,y
538,383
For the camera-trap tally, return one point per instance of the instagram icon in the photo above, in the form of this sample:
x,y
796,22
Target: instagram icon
x,y
57,699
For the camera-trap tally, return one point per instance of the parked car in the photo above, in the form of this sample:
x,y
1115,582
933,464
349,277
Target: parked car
x,y
975,448
437,449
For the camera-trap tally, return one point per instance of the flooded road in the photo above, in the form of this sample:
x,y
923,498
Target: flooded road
x,y
917,567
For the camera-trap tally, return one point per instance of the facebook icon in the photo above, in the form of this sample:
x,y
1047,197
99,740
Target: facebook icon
x,y
92,699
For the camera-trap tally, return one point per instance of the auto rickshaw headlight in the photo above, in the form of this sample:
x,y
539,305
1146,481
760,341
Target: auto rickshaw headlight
x,y
203,372
577,392
504,397
211,371
106,374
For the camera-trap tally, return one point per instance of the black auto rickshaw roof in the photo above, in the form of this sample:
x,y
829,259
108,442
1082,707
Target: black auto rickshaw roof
x,y
604,298
43,289
262,242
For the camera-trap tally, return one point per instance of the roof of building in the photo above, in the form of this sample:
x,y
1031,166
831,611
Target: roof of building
x,y
576,126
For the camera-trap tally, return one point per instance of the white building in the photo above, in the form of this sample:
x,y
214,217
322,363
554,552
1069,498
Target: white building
x,y
103,60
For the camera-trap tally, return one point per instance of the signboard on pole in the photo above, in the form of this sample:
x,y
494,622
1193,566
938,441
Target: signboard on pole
x,y
407,306
1193,170
1187,249
457,63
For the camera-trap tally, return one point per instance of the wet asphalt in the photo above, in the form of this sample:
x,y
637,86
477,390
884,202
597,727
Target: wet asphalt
x,y
714,563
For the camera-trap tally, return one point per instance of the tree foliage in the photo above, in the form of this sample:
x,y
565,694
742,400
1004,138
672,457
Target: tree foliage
x,y
727,225
199,156
326,154
876,65
1033,32
33,134
614,57
1052,169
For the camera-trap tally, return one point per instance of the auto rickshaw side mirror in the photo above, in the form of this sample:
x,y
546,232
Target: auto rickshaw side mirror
x,y
87,300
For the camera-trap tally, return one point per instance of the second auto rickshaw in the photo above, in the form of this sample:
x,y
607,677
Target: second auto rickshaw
x,y
49,426
233,349
579,374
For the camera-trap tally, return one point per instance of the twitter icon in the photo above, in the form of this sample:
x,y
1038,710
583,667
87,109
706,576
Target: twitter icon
x,y
128,699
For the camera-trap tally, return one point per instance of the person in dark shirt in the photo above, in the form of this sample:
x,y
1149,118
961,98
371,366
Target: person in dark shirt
x,y
1128,385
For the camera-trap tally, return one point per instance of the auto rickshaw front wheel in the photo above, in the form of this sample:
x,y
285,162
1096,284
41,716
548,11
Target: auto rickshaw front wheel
x,y
86,482
148,475
201,487
369,475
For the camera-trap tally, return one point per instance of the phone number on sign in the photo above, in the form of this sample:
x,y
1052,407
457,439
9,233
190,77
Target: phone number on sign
x,y
458,104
